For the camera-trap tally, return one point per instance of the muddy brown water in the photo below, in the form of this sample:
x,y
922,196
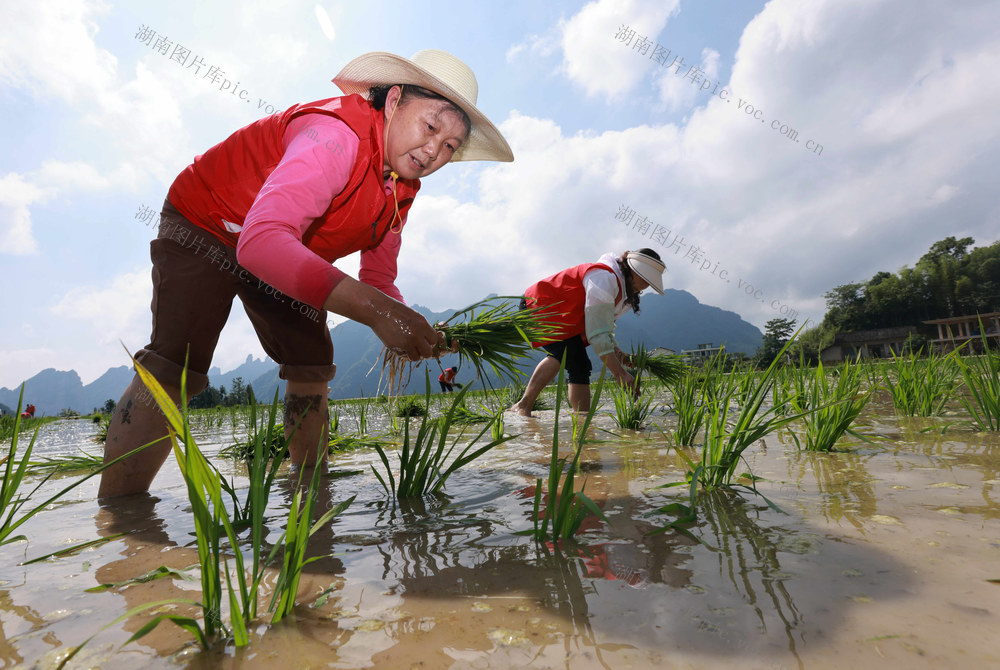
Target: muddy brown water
x,y
887,555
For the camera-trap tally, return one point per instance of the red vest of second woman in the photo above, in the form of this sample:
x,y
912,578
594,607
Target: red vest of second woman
x,y
564,296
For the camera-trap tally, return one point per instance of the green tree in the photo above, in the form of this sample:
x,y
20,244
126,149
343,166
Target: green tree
x,y
845,307
944,263
978,291
951,279
776,333
811,343
236,392
239,393
210,397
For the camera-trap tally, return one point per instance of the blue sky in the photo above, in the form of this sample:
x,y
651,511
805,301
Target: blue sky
x,y
613,149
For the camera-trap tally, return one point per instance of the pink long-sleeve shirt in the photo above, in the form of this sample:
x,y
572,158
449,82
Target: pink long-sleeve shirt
x,y
319,152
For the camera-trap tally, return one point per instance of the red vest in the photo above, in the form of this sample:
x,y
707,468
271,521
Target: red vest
x,y
222,184
565,296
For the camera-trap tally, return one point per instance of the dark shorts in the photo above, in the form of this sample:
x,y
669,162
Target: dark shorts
x,y
578,367
195,278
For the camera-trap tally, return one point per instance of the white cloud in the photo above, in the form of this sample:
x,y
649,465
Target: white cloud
x,y
682,87
536,45
116,311
902,136
55,56
594,59
72,176
325,24
943,194
50,49
16,197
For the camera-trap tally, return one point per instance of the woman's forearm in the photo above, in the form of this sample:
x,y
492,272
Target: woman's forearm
x,y
401,329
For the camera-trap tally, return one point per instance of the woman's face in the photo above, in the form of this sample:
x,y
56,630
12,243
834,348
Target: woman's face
x,y
423,135
638,283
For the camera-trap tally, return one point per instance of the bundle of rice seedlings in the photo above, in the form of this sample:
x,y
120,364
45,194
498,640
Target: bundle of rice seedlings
x,y
497,335
340,443
410,407
427,460
102,430
668,369
68,463
274,444
493,338
631,411
464,415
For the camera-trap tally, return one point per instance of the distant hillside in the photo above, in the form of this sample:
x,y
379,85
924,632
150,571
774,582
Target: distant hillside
x,y
676,321
52,390
251,369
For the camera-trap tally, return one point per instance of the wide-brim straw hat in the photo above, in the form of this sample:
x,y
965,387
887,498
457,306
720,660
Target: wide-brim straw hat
x,y
437,71
649,268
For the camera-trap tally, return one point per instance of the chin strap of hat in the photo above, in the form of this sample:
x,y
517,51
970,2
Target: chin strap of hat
x,y
392,173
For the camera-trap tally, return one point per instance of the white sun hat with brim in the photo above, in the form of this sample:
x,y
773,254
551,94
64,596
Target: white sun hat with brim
x,y
649,268
437,71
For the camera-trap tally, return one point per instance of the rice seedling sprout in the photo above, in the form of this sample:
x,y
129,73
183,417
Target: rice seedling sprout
x,y
632,409
566,507
496,336
982,377
426,462
829,408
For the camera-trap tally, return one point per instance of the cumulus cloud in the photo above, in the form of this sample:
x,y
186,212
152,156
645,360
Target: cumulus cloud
x,y
118,310
593,59
680,86
16,197
903,118
54,55
52,51
536,45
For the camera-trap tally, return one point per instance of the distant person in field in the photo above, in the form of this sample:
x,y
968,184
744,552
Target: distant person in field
x,y
586,300
447,380
264,213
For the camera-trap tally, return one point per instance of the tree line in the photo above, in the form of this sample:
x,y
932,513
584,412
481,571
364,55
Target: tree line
x,y
953,278
238,394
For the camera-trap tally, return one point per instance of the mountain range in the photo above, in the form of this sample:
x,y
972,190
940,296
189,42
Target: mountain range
x,y
675,321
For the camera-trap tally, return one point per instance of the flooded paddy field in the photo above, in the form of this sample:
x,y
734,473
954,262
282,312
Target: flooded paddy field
x,y
884,555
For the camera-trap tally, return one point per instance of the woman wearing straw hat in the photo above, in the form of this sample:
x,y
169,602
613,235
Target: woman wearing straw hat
x,y
264,213
583,302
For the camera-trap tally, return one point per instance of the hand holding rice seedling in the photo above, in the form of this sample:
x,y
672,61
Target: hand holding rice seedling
x,y
490,334
668,369
497,335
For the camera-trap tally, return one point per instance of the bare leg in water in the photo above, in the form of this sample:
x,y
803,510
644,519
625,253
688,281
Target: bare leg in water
x,y
306,404
138,421
544,373
579,397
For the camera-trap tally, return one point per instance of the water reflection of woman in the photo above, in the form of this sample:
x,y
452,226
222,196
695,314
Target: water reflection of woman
x,y
146,547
